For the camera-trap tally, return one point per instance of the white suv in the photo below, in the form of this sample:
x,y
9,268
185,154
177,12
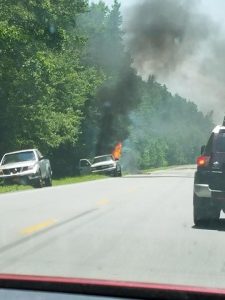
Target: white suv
x,y
26,167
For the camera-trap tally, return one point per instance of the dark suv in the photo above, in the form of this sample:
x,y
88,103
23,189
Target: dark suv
x,y
209,183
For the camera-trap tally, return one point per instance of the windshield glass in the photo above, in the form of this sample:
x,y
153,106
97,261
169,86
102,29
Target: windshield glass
x,y
18,157
136,88
102,159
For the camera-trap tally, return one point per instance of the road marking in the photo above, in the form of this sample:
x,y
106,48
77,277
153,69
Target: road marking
x,y
38,227
103,202
131,190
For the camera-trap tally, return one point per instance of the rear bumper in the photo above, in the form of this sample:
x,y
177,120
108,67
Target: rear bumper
x,y
202,190
208,184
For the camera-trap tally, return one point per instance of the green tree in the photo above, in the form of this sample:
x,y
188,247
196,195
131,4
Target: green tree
x,y
43,85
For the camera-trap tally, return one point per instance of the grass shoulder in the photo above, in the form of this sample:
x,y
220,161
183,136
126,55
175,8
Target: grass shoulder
x,y
55,182
159,168
174,167
77,179
14,188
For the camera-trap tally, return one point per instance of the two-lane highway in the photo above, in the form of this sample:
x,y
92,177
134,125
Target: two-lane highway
x,y
137,228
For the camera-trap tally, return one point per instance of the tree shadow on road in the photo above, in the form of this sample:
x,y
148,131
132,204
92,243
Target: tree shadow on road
x,y
212,225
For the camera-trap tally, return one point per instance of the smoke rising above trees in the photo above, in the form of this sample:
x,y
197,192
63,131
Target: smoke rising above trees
x,y
165,33
181,46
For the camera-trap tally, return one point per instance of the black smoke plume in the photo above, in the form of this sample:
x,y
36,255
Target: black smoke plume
x,y
117,100
181,46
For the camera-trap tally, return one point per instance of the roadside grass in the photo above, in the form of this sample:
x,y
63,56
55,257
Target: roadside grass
x,y
167,167
77,179
148,170
14,188
55,182
157,169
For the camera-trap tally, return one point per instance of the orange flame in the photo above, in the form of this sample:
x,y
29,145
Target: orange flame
x,y
117,151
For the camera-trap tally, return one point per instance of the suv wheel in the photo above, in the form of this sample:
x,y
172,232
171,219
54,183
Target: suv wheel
x,y
38,182
119,173
205,210
48,180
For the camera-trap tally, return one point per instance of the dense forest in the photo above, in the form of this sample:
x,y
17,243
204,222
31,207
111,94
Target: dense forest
x,y
67,87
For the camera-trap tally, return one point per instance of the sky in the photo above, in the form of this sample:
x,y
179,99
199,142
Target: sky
x,y
199,77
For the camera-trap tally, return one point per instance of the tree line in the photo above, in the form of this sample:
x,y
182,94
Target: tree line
x,y
67,87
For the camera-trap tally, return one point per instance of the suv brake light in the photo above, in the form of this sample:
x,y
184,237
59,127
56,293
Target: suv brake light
x,y
203,161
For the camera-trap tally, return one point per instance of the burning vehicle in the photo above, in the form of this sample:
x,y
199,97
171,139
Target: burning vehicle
x,y
104,164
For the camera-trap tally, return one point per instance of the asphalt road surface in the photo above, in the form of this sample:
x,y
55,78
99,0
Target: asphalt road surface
x,y
137,228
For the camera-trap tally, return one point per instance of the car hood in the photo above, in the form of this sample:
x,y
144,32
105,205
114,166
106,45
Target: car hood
x,y
108,288
103,163
18,165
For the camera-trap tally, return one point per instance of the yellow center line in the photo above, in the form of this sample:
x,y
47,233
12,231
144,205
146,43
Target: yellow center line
x,y
131,190
38,227
103,202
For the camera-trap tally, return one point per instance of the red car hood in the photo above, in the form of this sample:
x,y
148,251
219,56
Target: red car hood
x,y
108,288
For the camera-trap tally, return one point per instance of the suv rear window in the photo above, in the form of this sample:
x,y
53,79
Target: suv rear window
x,y
208,148
220,142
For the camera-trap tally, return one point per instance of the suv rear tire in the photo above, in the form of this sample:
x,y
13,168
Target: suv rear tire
x,y
119,173
48,180
205,210
38,182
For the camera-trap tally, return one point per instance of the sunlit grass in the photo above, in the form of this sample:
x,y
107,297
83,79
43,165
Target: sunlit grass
x,y
77,179
156,169
55,182
14,188
167,167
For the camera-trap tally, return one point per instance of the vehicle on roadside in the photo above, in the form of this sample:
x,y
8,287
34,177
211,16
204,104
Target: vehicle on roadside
x,y
26,167
84,167
209,181
104,164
